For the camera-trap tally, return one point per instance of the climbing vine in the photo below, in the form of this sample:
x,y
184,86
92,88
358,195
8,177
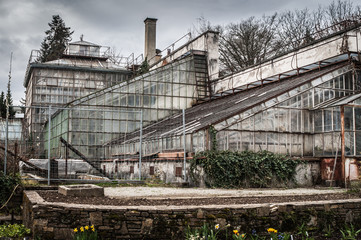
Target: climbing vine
x,y
213,137
8,184
229,169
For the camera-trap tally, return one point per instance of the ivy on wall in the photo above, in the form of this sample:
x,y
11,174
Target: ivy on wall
x,y
227,169
8,183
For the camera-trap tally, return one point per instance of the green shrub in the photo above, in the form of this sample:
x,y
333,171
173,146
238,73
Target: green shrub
x,y
229,169
8,184
14,231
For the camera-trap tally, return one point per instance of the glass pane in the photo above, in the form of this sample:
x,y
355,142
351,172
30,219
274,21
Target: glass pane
x,y
318,121
348,118
327,117
318,150
336,119
296,145
349,143
358,118
260,142
328,144
307,145
272,142
358,143
283,143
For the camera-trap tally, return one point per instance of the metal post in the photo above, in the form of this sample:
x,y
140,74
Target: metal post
x,y
15,157
184,146
49,137
140,145
6,138
7,117
66,161
343,175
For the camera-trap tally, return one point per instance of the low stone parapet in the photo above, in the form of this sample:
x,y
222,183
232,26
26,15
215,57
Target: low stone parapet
x,y
57,220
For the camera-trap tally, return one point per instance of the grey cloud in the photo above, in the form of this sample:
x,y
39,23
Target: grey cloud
x,y
115,23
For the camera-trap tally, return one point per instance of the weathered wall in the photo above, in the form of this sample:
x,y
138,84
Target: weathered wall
x,y
208,42
308,174
57,220
319,51
165,170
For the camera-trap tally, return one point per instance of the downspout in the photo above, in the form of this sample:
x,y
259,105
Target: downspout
x,y
343,175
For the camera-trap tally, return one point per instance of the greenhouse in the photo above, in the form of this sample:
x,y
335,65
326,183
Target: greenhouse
x,y
308,110
299,116
83,69
91,122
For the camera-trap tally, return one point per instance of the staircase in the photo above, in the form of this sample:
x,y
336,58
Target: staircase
x,y
201,75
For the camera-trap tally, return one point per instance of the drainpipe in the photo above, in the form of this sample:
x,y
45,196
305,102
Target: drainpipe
x,y
343,175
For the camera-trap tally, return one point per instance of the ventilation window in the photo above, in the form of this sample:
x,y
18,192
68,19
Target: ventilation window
x,y
178,171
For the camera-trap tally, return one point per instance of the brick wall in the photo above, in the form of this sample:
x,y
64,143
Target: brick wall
x,y
57,220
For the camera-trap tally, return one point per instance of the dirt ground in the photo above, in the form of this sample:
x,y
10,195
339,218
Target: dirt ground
x,y
128,196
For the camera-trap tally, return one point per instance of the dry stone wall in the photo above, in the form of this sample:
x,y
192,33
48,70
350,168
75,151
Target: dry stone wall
x,y
57,220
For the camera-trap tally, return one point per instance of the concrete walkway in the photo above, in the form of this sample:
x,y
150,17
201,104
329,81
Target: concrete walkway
x,y
159,192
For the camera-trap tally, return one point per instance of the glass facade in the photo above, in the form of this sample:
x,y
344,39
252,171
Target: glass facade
x,y
91,122
301,122
59,86
304,121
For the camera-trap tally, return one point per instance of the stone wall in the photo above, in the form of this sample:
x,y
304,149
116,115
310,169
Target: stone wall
x,y
57,220
162,169
166,170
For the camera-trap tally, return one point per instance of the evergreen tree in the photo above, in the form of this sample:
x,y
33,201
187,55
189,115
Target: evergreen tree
x,y
2,106
57,37
144,67
9,100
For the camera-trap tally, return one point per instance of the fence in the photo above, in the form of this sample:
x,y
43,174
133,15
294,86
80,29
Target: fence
x,y
91,144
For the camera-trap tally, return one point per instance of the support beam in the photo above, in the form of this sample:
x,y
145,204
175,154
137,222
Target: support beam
x,y
74,150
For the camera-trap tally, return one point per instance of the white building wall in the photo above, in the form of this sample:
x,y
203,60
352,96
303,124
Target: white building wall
x,y
321,51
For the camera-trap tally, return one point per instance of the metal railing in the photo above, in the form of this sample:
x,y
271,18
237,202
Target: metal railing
x,y
90,144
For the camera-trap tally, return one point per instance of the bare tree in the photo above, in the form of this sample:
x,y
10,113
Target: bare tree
x,y
247,43
254,40
342,12
202,25
294,29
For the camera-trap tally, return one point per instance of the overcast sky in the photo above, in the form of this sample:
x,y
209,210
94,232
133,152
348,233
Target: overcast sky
x,y
116,23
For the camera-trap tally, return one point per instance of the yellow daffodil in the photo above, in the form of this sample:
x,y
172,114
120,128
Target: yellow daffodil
x,y
86,227
243,235
82,229
271,230
75,230
235,231
217,226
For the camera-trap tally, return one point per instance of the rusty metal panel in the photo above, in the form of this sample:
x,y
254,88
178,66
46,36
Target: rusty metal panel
x,y
327,165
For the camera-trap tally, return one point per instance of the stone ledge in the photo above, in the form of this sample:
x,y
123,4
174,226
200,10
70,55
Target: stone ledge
x,y
57,220
81,190
34,197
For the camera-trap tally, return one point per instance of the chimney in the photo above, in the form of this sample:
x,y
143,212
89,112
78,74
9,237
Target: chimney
x,y
150,39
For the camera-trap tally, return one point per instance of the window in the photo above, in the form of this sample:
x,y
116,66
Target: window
x,y
151,170
178,171
131,169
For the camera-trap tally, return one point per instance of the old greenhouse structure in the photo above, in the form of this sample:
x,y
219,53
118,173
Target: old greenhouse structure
x,y
304,104
83,69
